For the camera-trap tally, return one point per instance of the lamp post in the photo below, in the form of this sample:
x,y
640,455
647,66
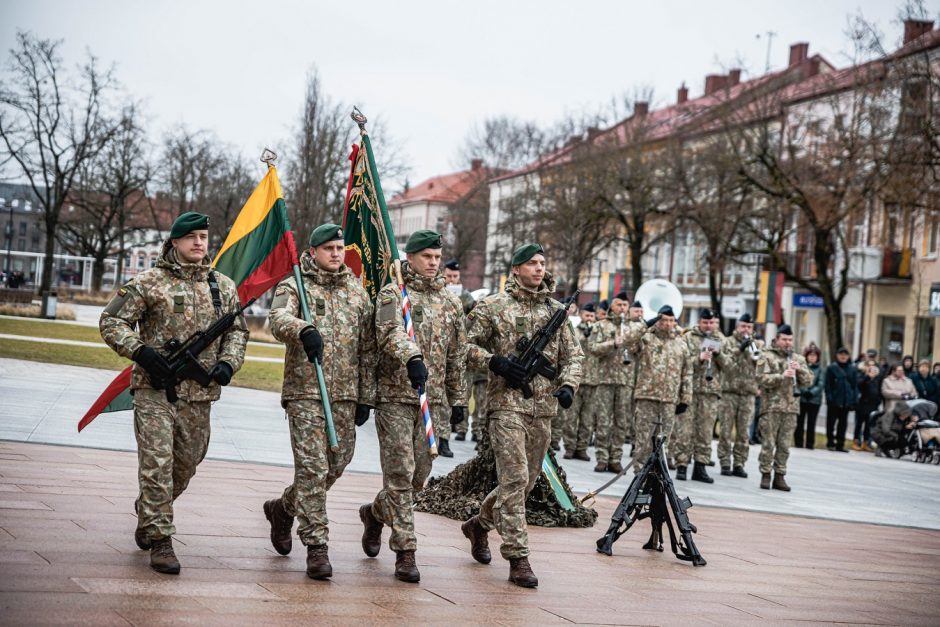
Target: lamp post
x,y
9,234
600,265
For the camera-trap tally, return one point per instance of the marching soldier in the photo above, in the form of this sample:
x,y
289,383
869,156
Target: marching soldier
x,y
452,279
663,382
519,428
738,393
578,425
694,440
341,337
780,373
438,359
635,315
608,404
178,297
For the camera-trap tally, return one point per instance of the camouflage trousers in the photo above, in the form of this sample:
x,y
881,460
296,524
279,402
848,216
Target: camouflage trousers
x,y
171,441
693,441
736,415
520,442
440,418
316,467
609,407
406,464
579,425
776,434
630,431
479,408
648,413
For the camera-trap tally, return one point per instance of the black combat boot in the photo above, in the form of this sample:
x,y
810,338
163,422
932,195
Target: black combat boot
x,y
443,448
372,532
765,481
726,471
479,544
140,536
405,567
780,483
162,557
520,573
699,474
556,446
460,437
318,562
680,473
281,524
739,472
569,454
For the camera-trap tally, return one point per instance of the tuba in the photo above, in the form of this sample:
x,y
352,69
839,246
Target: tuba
x,y
658,292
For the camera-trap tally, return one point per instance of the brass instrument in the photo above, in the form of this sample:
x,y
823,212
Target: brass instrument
x,y
796,387
627,357
656,293
712,346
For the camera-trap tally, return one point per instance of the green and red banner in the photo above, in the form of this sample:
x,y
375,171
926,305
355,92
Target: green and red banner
x,y
258,252
369,239
770,303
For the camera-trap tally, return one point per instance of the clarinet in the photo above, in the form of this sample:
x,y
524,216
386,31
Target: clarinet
x,y
796,388
708,368
627,358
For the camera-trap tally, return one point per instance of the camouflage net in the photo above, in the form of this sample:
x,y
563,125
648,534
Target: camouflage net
x,y
458,495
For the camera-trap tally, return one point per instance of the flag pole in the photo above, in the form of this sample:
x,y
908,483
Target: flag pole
x,y
361,120
268,157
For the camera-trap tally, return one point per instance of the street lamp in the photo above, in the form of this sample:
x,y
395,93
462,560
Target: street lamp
x,y
9,234
600,264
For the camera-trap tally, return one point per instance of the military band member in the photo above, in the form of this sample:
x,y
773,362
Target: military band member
x,y
178,297
738,393
780,373
341,337
663,381
519,428
578,422
635,314
437,361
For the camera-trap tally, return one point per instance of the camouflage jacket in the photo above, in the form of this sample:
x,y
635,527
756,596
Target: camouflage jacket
x,y
172,300
589,364
694,338
438,321
494,326
663,366
777,390
738,367
342,313
608,356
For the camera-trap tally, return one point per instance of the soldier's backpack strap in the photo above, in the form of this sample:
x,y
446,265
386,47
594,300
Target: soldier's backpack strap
x,y
214,292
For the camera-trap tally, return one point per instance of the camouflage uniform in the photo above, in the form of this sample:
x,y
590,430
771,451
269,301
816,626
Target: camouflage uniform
x,y
171,300
438,320
579,424
738,391
519,428
479,379
779,407
608,407
664,379
342,313
694,436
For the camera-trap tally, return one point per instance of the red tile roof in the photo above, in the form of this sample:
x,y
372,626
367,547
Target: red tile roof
x,y
447,188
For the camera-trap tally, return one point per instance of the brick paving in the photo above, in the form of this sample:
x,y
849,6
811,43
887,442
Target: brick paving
x,y
67,556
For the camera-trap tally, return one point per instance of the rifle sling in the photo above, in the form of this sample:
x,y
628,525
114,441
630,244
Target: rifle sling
x,y
214,292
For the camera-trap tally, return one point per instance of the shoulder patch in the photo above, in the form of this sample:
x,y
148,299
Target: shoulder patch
x,y
387,300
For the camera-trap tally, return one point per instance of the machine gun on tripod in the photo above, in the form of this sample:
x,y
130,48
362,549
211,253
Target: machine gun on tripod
x,y
652,495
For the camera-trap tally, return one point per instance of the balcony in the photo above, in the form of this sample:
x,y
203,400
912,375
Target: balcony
x,y
896,263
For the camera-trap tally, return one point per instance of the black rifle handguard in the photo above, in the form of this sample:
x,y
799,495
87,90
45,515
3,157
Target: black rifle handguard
x,y
531,351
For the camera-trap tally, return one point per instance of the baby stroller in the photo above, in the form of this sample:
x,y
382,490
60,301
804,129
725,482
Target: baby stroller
x,y
923,441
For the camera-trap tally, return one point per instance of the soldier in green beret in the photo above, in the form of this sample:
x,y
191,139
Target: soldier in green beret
x,y
519,428
437,361
341,336
178,297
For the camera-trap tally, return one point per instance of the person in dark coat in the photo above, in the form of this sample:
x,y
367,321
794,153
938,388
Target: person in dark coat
x,y
841,398
810,401
925,383
869,400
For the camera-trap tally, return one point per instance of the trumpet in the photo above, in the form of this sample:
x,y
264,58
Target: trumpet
x,y
748,344
712,346
627,357
796,387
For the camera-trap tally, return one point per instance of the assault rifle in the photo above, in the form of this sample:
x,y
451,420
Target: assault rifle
x,y
183,357
652,495
531,351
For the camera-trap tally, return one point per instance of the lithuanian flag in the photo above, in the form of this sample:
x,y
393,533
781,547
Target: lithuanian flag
x,y
258,252
770,302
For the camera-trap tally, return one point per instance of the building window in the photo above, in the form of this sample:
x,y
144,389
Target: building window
x,y
153,261
923,348
892,337
22,228
933,234
140,262
21,244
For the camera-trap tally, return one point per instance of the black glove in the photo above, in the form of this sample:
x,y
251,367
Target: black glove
x,y
652,321
565,396
457,414
156,365
507,369
362,414
221,373
313,344
417,372
681,408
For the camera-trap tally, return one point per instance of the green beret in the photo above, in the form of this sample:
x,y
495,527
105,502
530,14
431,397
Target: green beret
x,y
525,252
425,238
189,221
325,233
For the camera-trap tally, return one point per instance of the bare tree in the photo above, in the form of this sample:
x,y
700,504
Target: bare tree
x,y
189,161
52,125
109,199
227,188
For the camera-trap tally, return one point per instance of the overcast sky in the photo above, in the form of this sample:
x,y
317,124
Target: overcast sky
x,y
431,69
